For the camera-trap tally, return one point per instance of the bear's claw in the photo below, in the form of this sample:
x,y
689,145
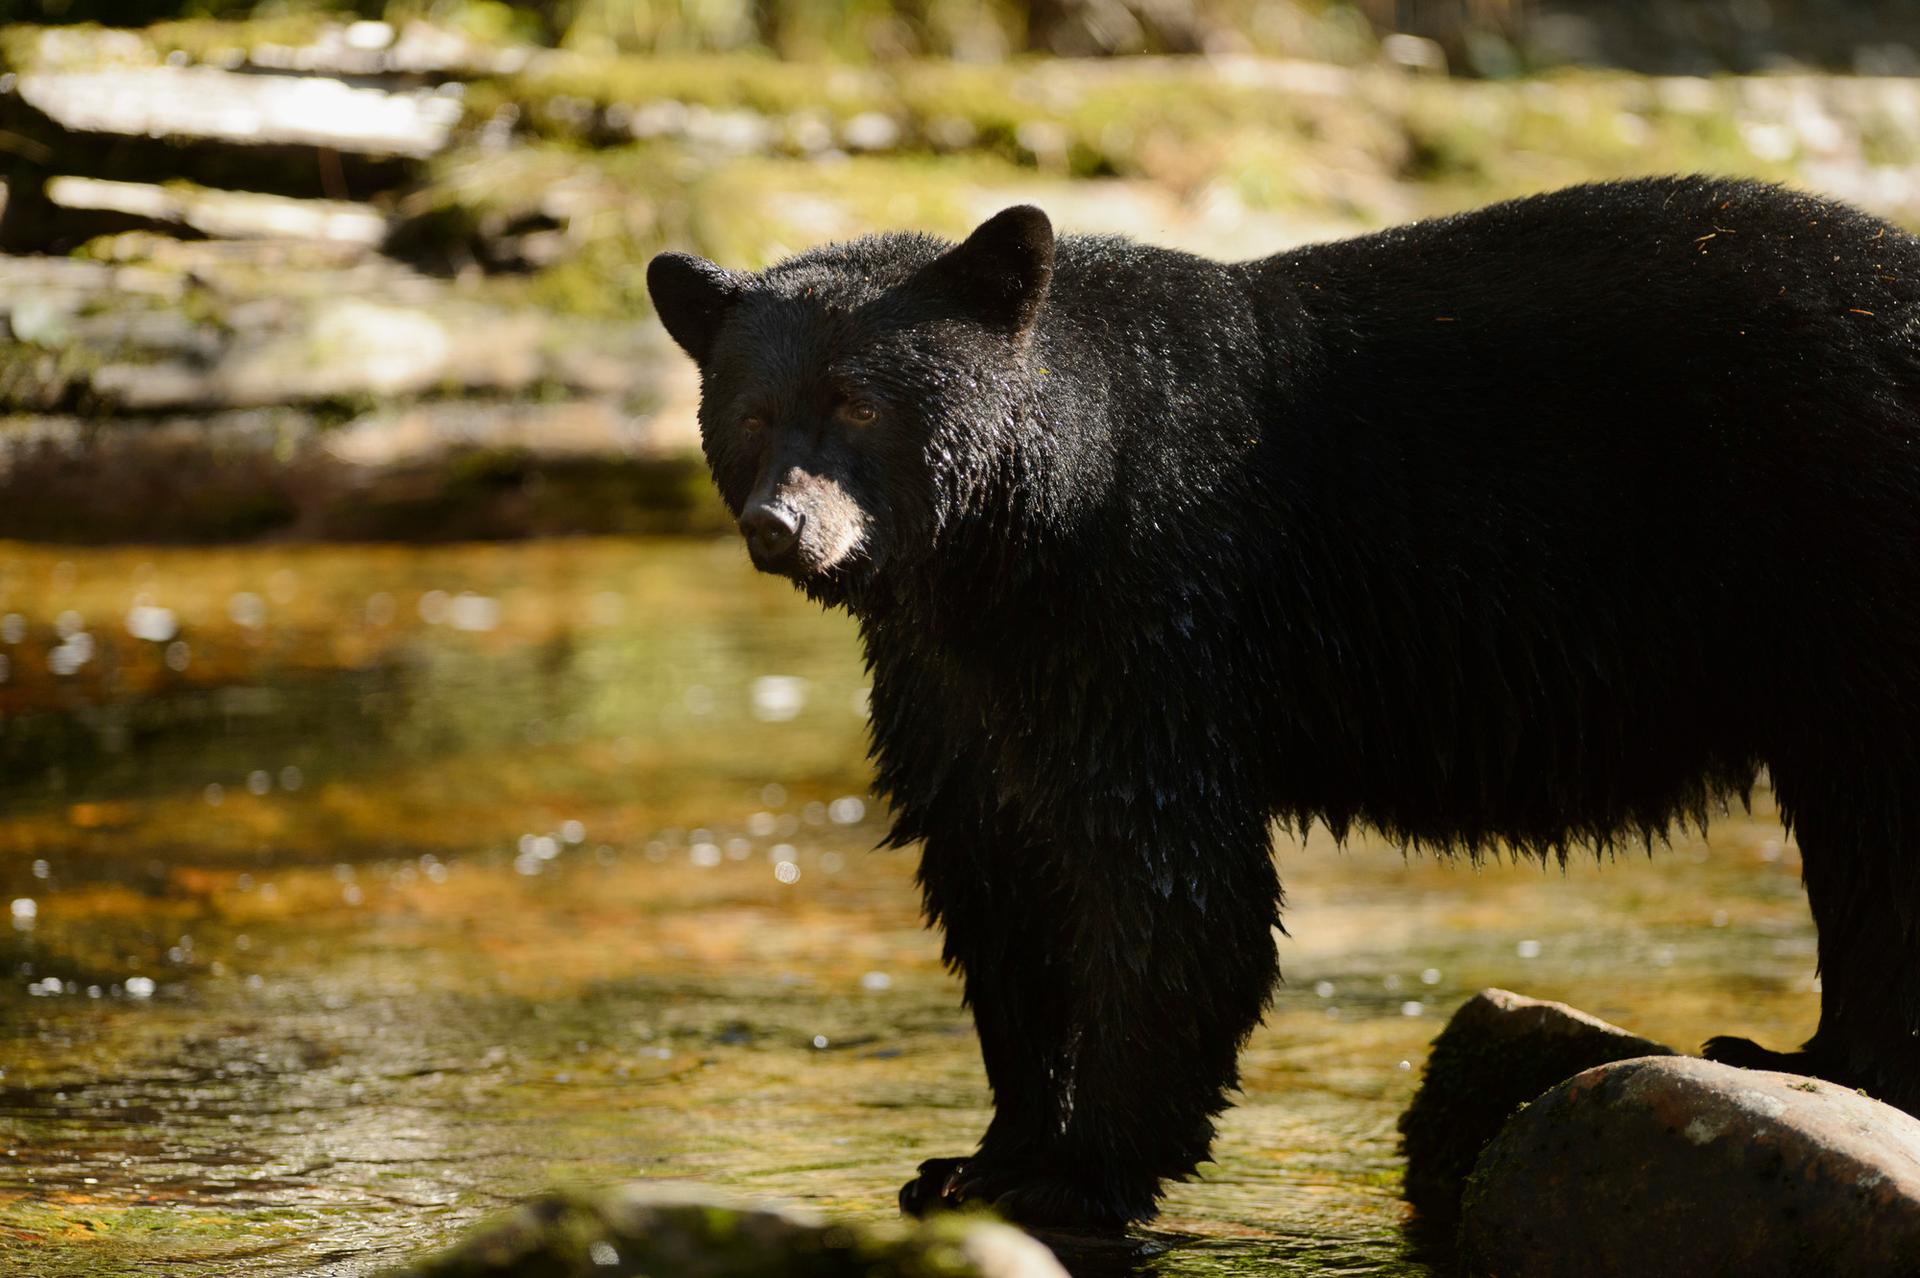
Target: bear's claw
x,y
936,1186
1730,1049
1018,1193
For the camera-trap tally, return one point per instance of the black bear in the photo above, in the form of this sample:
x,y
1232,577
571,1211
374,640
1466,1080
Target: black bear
x,y
1533,528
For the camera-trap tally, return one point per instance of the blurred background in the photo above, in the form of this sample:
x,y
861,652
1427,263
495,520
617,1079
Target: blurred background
x,y
410,799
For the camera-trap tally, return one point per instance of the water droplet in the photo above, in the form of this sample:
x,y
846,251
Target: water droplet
x,y
178,655
1527,949
215,794
471,612
24,907
74,651
157,625
1430,976
787,872
140,986
820,1042
1413,1007
1323,988
773,794
846,810
777,698
573,831
291,778
603,1253
42,870
704,855
876,981
259,781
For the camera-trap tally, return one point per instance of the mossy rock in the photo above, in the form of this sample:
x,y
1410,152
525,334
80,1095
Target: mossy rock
x,y
659,1230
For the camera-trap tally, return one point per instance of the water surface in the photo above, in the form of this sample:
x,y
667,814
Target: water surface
x,y
357,892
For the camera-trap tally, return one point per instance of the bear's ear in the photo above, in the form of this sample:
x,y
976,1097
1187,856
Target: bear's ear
x,y
1000,273
692,296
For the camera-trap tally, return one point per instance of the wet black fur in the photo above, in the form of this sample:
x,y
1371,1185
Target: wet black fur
x,y
1538,527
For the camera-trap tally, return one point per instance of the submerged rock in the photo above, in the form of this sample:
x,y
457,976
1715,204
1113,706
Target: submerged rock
x,y
1499,1051
1682,1166
661,1230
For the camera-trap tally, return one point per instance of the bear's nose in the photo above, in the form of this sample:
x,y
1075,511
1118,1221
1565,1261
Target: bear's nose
x,y
771,533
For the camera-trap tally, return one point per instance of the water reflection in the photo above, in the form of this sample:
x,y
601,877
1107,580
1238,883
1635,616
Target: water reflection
x,y
357,891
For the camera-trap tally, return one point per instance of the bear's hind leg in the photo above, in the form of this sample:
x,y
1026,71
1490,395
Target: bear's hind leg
x,y
1860,851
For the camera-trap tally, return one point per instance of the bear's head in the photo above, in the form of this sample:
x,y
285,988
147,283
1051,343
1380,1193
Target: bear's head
x,y
859,399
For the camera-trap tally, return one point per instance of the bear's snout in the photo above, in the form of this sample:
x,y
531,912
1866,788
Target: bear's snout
x,y
771,533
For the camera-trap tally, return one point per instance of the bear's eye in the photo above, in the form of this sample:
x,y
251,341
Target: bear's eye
x,y
855,412
752,425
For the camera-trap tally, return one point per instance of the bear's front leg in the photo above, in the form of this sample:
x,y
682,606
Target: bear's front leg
x,y
1112,985
997,902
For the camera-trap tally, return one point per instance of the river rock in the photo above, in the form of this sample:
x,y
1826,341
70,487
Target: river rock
x,y
271,324
656,1230
1499,1051
301,136
181,209
1681,1166
208,103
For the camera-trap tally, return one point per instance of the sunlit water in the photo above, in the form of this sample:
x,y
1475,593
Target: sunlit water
x,y
356,892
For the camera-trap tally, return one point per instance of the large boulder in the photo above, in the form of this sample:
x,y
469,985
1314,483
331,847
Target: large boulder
x,y
1499,1051
663,1230
1671,1165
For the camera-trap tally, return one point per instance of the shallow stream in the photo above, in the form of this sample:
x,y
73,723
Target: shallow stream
x,y
356,892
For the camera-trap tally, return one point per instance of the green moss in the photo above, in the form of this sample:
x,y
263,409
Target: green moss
x,y
659,1231
39,378
748,81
